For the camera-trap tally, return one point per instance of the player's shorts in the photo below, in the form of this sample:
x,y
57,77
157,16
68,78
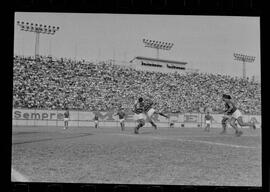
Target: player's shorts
x,y
140,116
96,122
121,120
150,112
208,122
66,119
237,114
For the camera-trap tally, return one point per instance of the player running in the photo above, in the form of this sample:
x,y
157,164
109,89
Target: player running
x,y
121,114
235,115
150,111
138,109
66,118
208,120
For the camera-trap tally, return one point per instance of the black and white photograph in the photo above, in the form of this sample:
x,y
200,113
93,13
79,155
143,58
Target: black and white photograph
x,y
136,99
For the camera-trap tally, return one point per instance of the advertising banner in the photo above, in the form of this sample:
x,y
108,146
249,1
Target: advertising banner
x,y
37,117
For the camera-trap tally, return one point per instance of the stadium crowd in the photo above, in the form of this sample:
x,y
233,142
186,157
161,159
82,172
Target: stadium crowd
x,y
50,83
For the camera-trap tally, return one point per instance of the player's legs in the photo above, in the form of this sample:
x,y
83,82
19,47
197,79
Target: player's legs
x,y
238,116
207,127
122,124
243,124
153,124
161,114
150,114
224,122
65,123
234,125
96,124
171,124
140,121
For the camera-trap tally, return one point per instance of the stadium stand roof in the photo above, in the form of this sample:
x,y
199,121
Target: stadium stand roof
x,y
159,60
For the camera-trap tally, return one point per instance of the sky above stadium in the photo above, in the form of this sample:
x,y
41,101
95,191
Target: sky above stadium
x,y
206,43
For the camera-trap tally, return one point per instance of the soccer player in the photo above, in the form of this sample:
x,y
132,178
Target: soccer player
x,y
150,111
235,114
66,118
171,124
138,109
121,114
208,120
96,120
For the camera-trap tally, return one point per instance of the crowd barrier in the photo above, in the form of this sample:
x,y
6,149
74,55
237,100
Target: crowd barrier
x,y
38,117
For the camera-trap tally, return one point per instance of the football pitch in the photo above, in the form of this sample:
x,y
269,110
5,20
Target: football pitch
x,y
167,156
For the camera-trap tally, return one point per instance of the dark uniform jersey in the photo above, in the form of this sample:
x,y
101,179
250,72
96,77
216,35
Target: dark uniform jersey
x,y
96,118
148,104
121,114
227,106
139,107
66,114
208,117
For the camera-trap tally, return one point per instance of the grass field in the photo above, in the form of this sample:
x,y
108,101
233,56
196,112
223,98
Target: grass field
x,y
177,156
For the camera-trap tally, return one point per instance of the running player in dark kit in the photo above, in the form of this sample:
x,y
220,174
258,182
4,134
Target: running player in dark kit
x,y
150,111
138,109
235,115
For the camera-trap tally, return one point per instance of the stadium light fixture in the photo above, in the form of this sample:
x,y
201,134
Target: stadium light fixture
x,y
244,59
157,45
37,29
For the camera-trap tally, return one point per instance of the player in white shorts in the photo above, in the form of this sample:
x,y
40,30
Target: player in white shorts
x,y
150,111
121,115
235,115
208,121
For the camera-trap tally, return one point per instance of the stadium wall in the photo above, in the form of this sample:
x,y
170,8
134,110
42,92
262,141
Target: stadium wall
x,y
38,117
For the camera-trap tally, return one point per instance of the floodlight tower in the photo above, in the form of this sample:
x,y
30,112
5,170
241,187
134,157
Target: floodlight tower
x,y
244,59
37,29
157,45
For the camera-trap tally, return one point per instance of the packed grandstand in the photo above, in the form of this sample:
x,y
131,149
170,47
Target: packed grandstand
x,y
56,83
